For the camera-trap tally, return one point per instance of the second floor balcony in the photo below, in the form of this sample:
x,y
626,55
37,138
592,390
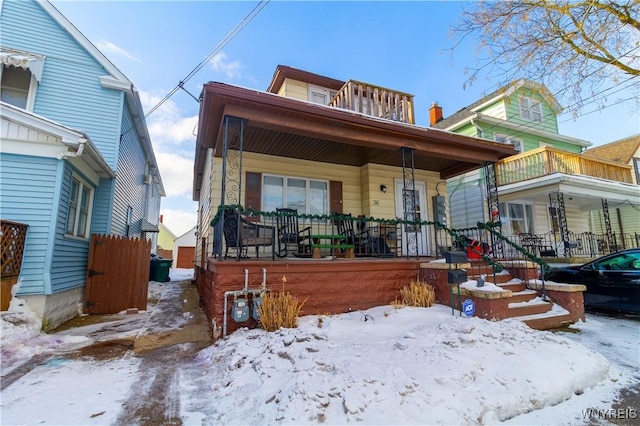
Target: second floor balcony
x,y
375,101
546,161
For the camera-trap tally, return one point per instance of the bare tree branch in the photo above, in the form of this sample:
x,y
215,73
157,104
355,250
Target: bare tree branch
x,y
568,44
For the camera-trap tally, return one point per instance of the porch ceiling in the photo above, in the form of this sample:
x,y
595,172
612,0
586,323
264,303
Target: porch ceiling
x,y
287,127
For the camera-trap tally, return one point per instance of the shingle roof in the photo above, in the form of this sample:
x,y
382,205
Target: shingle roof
x,y
468,111
621,150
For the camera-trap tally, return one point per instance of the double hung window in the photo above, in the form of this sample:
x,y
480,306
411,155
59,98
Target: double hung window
x,y
517,143
530,110
518,217
79,212
16,84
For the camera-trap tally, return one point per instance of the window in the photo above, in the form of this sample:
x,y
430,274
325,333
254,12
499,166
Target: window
x,y
16,84
518,217
636,166
517,143
306,195
320,95
530,110
78,215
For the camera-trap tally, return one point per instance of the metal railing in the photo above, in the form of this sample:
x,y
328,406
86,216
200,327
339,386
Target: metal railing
x,y
343,235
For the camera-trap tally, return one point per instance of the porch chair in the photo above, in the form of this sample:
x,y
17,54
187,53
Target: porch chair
x,y
360,238
292,239
239,234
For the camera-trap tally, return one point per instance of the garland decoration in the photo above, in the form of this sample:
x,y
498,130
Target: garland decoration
x,y
457,235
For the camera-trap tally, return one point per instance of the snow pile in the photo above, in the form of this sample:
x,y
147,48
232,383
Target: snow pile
x,y
22,339
392,366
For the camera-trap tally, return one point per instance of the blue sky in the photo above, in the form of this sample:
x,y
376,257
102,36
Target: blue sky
x,y
400,45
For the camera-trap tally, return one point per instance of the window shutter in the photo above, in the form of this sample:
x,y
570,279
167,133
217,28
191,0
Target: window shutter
x,y
253,193
335,196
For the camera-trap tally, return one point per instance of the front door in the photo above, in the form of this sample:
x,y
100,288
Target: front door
x,y
414,238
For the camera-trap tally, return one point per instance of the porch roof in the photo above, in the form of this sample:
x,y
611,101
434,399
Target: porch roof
x,y
286,127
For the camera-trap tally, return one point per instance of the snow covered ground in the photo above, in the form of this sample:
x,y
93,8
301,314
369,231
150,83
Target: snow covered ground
x,y
380,366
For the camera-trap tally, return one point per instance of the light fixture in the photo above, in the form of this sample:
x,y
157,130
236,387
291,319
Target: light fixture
x,y
383,188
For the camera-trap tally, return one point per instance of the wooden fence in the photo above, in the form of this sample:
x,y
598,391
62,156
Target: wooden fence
x,y
117,274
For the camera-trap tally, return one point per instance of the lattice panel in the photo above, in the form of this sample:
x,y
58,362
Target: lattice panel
x,y
13,237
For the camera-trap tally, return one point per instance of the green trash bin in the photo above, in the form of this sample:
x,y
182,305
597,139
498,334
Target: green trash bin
x,y
160,269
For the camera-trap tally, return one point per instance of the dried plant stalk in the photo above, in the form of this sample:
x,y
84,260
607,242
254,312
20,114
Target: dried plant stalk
x,y
419,294
279,310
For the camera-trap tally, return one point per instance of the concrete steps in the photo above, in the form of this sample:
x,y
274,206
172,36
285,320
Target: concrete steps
x,y
531,307
525,304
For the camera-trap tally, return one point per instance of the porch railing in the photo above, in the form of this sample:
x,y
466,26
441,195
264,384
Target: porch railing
x,y
583,244
374,237
375,101
546,161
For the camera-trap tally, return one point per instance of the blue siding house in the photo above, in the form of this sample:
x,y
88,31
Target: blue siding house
x,y
76,157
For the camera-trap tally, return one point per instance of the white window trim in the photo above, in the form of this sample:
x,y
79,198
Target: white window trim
x,y
522,203
533,105
84,183
510,140
312,88
307,190
33,87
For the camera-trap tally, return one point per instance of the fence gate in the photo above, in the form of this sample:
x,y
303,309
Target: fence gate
x,y
117,274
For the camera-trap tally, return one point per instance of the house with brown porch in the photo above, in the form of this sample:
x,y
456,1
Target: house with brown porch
x,y
329,152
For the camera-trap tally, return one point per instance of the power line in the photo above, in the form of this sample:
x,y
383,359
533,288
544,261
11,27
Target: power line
x,y
239,26
230,35
532,124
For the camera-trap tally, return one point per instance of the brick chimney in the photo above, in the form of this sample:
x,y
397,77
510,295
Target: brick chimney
x,y
435,114
161,218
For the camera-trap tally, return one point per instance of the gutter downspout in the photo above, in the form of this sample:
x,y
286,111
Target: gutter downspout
x,y
76,154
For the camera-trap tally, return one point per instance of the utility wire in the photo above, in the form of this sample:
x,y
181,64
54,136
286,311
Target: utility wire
x,y
531,126
230,35
239,26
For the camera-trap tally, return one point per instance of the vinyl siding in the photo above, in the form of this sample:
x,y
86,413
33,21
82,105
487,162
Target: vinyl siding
x,y
266,164
102,207
130,189
467,203
360,185
382,205
69,262
628,218
28,186
512,104
294,89
205,214
70,91
496,110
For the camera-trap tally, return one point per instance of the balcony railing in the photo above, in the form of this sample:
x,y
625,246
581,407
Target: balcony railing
x,y
546,161
375,101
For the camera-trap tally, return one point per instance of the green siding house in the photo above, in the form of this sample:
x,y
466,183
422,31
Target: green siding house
x,y
568,203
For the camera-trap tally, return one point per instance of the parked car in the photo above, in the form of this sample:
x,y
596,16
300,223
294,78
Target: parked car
x,y
612,281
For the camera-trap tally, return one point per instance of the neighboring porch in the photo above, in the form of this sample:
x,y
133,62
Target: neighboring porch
x,y
562,204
